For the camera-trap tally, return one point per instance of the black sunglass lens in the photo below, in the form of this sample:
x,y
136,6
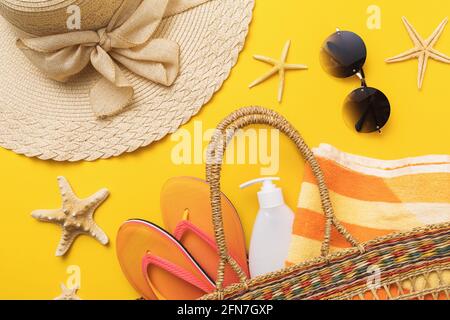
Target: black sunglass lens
x,y
343,54
367,110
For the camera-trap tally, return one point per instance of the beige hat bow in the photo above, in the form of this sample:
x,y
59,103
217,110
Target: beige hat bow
x,y
128,40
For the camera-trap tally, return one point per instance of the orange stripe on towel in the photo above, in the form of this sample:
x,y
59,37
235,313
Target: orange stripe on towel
x,y
311,225
363,187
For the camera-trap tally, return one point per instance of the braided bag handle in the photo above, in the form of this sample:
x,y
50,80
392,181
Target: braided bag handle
x,y
225,132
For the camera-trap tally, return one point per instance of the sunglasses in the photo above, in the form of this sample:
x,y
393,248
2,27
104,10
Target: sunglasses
x,y
343,55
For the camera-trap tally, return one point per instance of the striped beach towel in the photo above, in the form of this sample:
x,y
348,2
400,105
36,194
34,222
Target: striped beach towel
x,y
371,198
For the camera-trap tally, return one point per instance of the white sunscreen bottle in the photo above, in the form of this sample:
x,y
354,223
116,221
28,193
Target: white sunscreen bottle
x,y
272,230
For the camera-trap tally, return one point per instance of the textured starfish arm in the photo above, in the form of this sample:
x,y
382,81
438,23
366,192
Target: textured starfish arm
x,y
67,193
264,77
415,37
431,41
49,215
94,201
99,234
410,54
266,59
281,85
66,242
285,51
436,55
423,62
295,67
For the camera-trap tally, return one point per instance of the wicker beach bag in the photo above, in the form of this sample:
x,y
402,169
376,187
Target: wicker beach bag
x,y
410,265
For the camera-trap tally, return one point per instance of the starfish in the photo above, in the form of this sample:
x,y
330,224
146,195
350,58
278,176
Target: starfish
x,y
279,67
75,217
68,294
423,50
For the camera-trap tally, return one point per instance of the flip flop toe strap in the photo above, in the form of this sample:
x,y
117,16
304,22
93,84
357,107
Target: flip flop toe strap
x,y
175,270
186,225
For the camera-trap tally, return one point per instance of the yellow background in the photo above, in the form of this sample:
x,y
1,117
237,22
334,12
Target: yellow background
x,y
419,125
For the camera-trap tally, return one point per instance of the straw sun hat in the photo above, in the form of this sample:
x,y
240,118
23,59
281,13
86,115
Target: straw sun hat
x,y
83,80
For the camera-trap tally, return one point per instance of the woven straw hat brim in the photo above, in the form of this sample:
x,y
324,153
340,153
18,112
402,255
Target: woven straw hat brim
x,y
49,120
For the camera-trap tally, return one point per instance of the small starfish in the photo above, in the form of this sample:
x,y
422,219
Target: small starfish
x,y
75,216
423,50
68,294
279,67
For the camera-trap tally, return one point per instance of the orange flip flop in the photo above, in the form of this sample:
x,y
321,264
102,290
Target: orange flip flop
x,y
157,265
186,210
